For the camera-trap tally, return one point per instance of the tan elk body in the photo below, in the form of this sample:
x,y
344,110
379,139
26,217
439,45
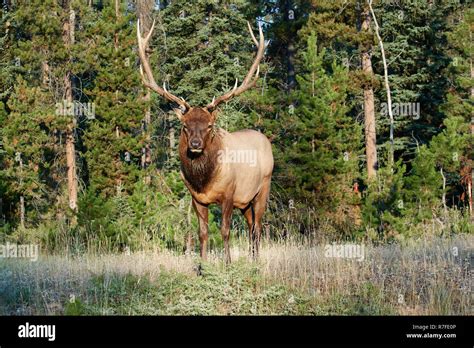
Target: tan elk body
x,y
230,169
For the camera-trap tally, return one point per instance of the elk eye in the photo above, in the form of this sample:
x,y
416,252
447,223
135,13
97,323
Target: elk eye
x,y
210,126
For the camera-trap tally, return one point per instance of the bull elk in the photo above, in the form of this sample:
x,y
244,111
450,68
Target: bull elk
x,y
230,169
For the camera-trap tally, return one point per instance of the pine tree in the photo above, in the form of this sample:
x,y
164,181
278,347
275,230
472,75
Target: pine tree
x,y
202,48
454,147
284,19
199,49
344,29
39,116
113,138
27,145
28,131
439,170
7,77
414,35
323,147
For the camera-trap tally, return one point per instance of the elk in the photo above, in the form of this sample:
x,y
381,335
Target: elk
x,y
232,170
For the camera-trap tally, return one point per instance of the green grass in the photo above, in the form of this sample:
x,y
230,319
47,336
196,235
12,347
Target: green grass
x,y
421,277
237,290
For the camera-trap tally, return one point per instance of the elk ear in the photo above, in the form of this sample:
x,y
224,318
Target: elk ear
x,y
214,116
179,113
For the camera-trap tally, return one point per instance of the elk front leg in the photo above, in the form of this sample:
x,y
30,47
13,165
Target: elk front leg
x,y
227,207
202,214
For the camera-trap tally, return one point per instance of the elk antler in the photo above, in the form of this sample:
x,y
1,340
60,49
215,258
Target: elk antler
x,y
248,82
149,80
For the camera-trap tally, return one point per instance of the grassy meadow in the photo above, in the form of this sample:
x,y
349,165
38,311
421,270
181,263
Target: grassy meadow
x,y
428,276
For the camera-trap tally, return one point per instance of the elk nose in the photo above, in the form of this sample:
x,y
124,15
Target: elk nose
x,y
195,143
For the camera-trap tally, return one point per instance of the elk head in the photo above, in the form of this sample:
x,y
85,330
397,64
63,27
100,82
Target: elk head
x,y
198,122
198,128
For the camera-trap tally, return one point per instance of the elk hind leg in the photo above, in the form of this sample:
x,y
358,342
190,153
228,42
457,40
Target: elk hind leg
x,y
249,215
259,204
227,207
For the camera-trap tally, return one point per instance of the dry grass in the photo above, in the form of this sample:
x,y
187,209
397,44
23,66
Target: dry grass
x,y
421,277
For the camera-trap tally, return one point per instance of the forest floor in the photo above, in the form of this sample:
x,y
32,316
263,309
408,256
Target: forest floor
x,y
430,276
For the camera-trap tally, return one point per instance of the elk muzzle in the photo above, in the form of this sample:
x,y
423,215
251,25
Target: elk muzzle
x,y
195,145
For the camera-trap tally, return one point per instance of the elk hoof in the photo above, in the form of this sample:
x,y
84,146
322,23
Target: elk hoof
x,y
198,269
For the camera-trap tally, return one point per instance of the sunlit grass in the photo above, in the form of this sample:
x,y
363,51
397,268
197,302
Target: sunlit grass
x,y
429,276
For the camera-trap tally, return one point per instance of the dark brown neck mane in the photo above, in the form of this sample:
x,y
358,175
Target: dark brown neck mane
x,y
199,169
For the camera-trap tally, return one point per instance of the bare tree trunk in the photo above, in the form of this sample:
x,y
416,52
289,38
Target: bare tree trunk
x,y
117,15
22,211
289,14
68,39
45,73
147,150
71,168
22,198
144,13
444,191
369,105
470,192
387,86
118,179
470,186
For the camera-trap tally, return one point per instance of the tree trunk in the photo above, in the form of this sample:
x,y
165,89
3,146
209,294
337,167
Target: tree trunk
x,y
443,198
118,179
144,13
117,15
68,39
22,198
387,85
470,187
45,73
22,211
369,108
